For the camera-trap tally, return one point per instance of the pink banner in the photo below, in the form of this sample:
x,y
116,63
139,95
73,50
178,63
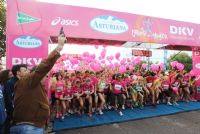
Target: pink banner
x,y
33,22
196,68
28,50
32,17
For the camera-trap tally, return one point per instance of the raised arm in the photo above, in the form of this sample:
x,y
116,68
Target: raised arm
x,y
46,65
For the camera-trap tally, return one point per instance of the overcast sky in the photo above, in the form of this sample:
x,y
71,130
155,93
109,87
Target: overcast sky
x,y
182,10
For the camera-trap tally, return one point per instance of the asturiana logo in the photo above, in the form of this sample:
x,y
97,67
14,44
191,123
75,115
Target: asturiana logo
x,y
27,42
109,24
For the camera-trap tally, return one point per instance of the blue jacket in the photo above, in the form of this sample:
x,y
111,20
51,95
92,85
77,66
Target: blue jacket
x,y
2,107
9,95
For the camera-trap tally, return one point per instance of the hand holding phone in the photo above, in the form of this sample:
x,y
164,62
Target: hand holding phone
x,y
62,31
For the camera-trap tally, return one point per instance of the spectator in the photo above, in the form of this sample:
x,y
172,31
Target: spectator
x,y
9,94
31,109
5,75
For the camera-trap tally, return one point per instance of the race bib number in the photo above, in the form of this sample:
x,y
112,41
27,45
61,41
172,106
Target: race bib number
x,y
176,84
87,91
118,87
149,85
59,89
138,88
76,94
165,87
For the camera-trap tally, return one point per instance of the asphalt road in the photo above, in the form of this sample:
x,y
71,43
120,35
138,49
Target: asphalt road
x,y
183,123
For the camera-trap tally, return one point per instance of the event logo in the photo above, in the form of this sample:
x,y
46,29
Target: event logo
x,y
24,18
64,22
181,30
27,42
144,30
28,61
197,65
109,24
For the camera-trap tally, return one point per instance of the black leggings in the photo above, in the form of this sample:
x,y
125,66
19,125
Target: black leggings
x,y
117,99
108,97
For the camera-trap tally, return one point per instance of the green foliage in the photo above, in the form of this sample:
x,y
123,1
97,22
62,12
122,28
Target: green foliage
x,y
2,28
183,58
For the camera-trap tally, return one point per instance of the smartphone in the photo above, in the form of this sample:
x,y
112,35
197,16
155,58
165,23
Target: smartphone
x,y
62,31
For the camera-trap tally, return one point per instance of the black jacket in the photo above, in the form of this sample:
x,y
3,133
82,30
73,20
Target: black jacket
x,y
9,95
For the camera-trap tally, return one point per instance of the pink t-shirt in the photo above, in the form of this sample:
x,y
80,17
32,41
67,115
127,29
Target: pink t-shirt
x,y
185,80
94,80
176,83
117,87
78,90
87,88
165,84
59,89
69,92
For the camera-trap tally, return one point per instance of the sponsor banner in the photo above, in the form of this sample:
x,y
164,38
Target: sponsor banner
x,y
26,49
109,25
23,18
46,19
196,68
145,53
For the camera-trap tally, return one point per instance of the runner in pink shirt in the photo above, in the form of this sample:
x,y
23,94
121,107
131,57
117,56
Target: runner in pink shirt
x,y
117,88
69,94
175,85
95,83
185,87
78,93
125,82
88,90
59,94
165,88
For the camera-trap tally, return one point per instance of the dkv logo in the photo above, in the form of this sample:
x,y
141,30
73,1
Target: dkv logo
x,y
64,22
181,30
109,24
27,42
29,61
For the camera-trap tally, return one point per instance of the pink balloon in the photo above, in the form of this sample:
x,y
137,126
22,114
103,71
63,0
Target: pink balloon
x,y
123,61
108,58
122,69
192,73
116,64
74,61
103,62
144,66
161,65
173,63
117,56
154,67
96,46
100,58
130,67
111,66
86,54
104,46
128,60
137,60
111,57
103,53
93,56
180,66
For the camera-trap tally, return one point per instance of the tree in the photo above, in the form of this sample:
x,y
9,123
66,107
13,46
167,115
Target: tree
x,y
183,58
2,28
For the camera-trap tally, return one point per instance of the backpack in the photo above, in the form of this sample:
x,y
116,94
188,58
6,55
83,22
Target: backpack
x,y
2,107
